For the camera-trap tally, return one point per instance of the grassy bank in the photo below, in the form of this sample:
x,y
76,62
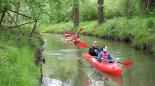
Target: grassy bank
x,y
139,31
17,65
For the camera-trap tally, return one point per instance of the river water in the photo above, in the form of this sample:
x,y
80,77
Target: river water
x,y
65,66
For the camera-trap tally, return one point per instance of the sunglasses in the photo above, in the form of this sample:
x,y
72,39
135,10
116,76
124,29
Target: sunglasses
x,y
94,43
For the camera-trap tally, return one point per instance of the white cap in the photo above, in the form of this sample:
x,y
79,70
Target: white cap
x,y
105,49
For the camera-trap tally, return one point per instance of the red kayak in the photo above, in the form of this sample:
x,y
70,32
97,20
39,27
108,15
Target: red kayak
x,y
75,42
111,68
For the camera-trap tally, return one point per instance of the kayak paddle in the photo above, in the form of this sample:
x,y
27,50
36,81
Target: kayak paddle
x,y
80,29
92,75
127,63
84,33
83,44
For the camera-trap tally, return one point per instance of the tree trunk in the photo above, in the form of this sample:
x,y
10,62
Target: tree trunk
x,y
144,6
100,12
75,13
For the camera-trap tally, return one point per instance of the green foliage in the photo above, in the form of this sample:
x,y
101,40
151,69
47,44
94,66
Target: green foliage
x,y
17,67
152,38
88,11
58,10
130,7
88,27
141,39
35,8
150,23
112,8
54,11
57,28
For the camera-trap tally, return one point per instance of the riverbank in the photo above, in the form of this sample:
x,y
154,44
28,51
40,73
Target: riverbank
x,y
17,61
139,31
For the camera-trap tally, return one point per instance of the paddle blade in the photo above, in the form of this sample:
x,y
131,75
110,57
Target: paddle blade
x,y
127,63
83,44
81,29
84,33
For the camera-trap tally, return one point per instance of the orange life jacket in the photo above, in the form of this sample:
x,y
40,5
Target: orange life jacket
x,y
105,55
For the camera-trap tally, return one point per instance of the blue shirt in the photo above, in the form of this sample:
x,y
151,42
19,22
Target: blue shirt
x,y
100,55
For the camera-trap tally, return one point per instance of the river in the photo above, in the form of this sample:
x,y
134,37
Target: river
x,y
65,66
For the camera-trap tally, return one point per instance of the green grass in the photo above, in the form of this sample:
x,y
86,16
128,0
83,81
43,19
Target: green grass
x,y
17,67
56,28
137,30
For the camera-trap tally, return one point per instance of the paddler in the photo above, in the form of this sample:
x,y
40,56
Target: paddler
x,y
105,56
93,51
76,38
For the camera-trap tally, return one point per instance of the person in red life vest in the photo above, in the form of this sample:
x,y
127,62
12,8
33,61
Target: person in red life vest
x,y
105,56
71,37
76,38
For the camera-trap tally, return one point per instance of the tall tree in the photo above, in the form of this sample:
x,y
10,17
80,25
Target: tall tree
x,y
75,12
100,12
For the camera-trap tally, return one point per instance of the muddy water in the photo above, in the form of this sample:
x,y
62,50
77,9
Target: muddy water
x,y
65,66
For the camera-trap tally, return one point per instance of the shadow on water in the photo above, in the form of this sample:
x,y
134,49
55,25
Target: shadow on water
x,y
66,67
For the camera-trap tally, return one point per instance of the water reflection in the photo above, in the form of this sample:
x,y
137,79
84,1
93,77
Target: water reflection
x,y
106,77
54,82
81,78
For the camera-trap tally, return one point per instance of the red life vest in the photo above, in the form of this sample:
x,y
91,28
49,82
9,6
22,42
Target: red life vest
x,y
77,41
105,55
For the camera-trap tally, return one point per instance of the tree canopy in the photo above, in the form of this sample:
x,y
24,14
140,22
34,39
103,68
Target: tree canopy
x,y
54,11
